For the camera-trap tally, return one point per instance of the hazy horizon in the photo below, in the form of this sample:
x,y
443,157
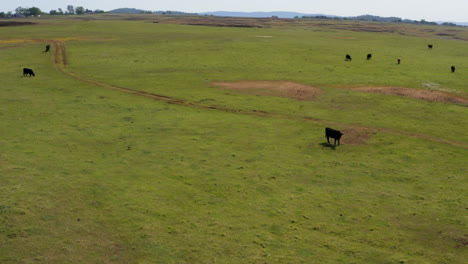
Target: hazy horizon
x,y
430,10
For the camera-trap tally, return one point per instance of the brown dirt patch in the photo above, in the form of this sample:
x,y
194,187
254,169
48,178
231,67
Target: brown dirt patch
x,y
428,95
287,89
354,136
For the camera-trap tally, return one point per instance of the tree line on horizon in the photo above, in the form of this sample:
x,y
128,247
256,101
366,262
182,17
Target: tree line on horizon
x,y
35,11
381,19
79,10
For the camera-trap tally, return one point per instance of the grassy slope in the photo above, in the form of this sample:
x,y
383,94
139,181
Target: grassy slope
x,y
94,176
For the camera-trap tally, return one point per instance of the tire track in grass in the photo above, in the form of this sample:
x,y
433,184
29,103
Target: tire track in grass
x,y
60,61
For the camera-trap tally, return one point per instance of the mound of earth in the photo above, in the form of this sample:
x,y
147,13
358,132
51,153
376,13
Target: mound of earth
x,y
428,95
287,89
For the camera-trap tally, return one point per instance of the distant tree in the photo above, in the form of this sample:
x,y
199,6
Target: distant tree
x,y
60,11
70,10
34,11
2,14
21,11
449,24
79,10
98,11
53,12
427,22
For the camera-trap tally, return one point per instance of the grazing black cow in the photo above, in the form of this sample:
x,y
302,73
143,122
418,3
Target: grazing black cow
x,y
429,46
332,133
28,72
348,57
47,48
453,68
369,56
398,60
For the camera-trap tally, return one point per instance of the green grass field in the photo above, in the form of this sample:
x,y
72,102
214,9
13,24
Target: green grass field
x,y
93,173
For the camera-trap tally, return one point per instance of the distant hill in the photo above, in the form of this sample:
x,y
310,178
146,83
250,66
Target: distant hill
x,y
127,11
140,11
280,14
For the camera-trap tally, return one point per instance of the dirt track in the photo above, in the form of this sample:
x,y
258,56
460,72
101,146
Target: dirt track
x,y
60,61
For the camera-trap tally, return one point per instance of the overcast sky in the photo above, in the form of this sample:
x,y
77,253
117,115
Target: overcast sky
x,y
430,10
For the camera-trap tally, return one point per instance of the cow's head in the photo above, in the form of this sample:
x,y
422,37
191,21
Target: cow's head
x,y
339,134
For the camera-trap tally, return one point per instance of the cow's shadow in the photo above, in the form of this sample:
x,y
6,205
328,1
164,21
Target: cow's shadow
x,y
328,145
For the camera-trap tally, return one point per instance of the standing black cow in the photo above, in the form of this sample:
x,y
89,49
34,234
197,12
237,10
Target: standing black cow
x,y
369,56
47,48
28,72
348,57
429,46
453,68
332,133
398,60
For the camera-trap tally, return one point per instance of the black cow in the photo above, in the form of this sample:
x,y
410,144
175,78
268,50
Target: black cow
x,y
369,56
28,72
453,68
332,133
47,48
348,57
398,60
429,46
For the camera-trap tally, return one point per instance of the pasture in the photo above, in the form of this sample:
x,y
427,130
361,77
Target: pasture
x,y
201,140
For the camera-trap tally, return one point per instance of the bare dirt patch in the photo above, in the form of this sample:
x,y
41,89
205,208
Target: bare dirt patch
x,y
428,95
287,89
354,136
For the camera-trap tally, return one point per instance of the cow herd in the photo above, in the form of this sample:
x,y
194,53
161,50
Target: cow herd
x,y
369,56
336,134
329,132
27,72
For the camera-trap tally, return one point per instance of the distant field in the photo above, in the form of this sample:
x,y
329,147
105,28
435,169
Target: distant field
x,y
171,139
